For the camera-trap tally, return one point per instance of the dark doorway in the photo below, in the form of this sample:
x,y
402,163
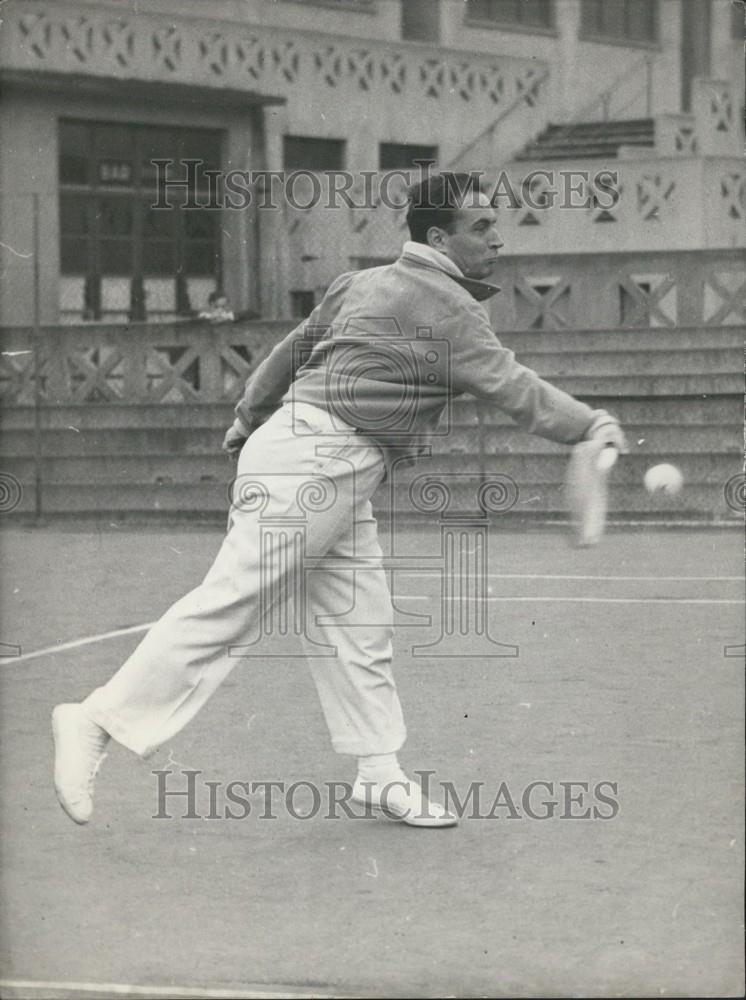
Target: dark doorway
x,y
695,46
420,20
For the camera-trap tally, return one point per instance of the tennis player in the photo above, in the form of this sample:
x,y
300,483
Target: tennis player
x,y
317,411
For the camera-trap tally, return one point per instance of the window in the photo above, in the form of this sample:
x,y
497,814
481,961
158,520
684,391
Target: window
x,y
527,14
402,156
623,20
302,302
123,256
307,153
420,20
362,6
737,20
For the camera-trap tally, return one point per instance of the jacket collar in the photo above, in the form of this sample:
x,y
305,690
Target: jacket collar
x,y
427,256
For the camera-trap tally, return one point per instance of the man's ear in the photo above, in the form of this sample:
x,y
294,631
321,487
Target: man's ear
x,y
435,237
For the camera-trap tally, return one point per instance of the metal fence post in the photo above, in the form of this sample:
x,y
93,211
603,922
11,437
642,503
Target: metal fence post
x,y
36,243
481,442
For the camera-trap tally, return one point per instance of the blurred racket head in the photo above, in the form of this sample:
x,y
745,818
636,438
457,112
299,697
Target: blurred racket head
x,y
587,491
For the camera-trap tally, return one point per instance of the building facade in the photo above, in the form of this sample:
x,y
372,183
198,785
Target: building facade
x,y
106,108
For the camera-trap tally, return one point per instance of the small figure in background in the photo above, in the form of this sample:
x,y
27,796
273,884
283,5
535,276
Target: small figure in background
x,y
218,308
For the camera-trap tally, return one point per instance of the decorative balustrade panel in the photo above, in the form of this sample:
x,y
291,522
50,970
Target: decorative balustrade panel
x,y
704,288
719,124
176,363
676,135
268,61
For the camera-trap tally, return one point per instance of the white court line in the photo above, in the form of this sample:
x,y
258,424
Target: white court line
x,y
133,629
187,992
580,600
549,576
75,643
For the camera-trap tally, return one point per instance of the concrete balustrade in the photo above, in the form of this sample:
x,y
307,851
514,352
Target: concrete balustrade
x,y
130,419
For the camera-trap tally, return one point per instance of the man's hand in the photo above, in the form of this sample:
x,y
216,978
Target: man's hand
x,y
235,438
607,430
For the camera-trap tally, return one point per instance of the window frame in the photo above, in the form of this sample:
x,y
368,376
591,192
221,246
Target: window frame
x,y
738,22
587,34
410,39
341,144
138,195
361,7
300,311
522,27
403,145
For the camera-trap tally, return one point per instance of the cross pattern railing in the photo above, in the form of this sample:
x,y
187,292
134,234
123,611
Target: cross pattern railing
x,y
153,363
260,59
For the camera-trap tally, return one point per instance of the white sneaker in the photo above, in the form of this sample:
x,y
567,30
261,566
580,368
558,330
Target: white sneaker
x,y
401,799
79,746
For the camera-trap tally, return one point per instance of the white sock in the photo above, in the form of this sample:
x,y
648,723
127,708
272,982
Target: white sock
x,y
379,767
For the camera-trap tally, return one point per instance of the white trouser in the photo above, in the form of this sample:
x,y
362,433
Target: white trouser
x,y
301,494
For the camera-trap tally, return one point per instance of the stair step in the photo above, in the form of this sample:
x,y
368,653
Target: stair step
x,y
618,363
678,411
578,151
576,140
193,445
589,140
591,136
177,470
97,416
62,443
667,386
649,339
707,467
118,468
594,131
609,123
721,408
656,442
712,384
591,133
697,501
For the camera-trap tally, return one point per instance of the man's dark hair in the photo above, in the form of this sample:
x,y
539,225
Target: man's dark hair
x,y
435,201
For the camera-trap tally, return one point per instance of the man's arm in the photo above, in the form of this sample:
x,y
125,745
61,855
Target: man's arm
x,y
268,383
480,365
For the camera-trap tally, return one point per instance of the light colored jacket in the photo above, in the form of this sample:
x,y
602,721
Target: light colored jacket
x,y
388,347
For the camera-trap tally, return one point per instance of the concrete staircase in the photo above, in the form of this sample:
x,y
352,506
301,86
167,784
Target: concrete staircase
x,y
591,140
119,459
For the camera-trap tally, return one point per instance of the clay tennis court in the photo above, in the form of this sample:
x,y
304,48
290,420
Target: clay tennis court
x,y
630,670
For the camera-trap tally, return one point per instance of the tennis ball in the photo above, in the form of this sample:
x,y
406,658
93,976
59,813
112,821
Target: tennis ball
x,y
663,478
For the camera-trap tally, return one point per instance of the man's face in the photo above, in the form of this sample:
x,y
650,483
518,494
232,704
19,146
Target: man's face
x,y
474,241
